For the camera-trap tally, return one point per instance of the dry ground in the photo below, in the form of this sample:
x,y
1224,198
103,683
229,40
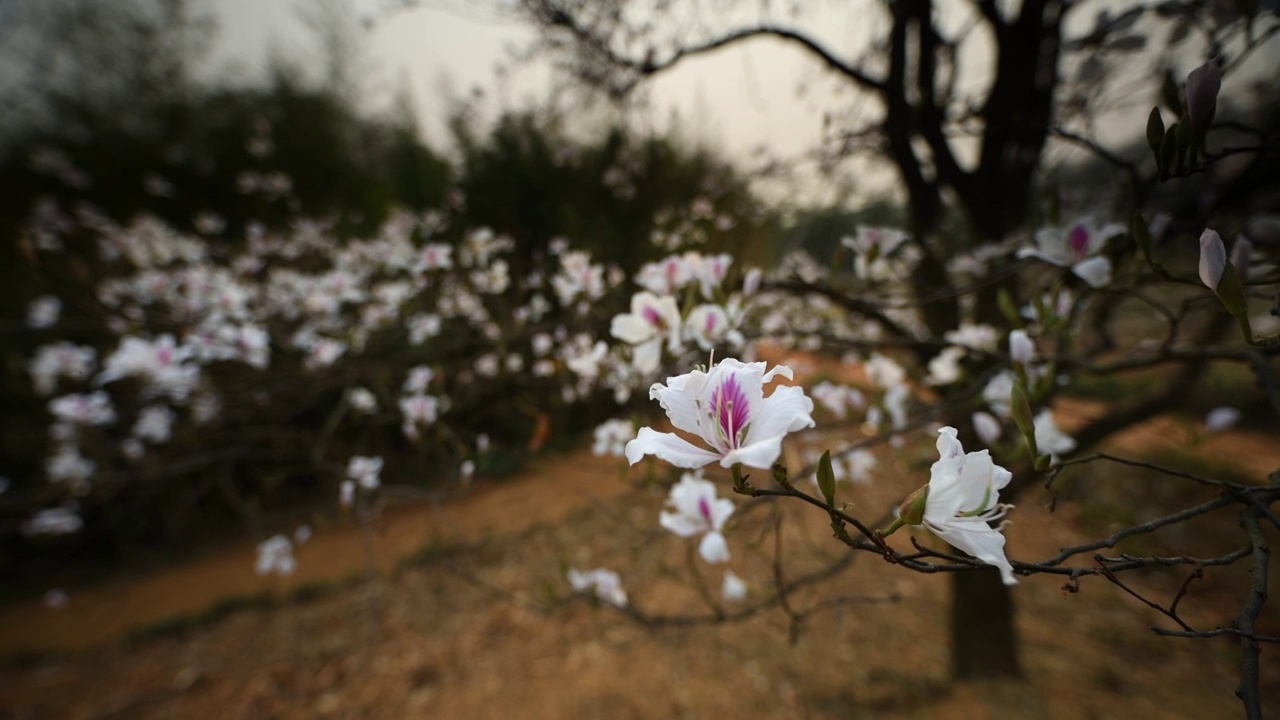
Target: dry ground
x,y
479,624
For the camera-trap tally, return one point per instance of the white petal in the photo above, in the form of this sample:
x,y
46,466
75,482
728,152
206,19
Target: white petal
x,y
787,410
757,455
631,329
669,447
713,548
648,356
681,524
978,539
1096,271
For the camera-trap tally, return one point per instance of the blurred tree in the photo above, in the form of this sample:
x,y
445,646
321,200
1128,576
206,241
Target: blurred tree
x,y
963,98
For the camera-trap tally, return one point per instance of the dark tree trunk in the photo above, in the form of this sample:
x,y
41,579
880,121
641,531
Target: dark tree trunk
x,y
984,643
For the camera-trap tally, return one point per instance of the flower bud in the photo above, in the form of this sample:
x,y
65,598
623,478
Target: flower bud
x,y
1203,85
1213,259
911,512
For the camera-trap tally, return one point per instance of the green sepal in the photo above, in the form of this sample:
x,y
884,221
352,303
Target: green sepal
x,y
1021,409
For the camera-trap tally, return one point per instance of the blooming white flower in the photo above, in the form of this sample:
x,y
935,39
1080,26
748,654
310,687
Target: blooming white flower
x,y
611,437
365,471
963,497
362,400
695,510
606,584
275,554
61,359
155,424
652,320
727,409
43,312
976,337
1021,349
1220,419
944,368
987,427
733,589
1077,247
418,409
1049,439
53,521
91,409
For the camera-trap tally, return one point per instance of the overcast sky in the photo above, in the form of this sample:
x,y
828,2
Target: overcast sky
x,y
738,99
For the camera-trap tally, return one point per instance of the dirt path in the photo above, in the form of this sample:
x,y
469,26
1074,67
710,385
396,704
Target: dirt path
x,y
545,492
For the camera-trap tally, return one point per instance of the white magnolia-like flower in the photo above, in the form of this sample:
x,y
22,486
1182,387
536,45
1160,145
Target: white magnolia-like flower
x,y
1213,259
362,400
652,321
709,325
605,584
695,510
1049,439
43,312
365,471
91,409
963,497
1022,349
727,409
987,427
53,521
611,437
1220,419
155,424
944,368
275,555
976,337
1077,247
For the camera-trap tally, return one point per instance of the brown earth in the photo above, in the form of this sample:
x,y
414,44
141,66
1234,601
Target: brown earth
x,y
480,624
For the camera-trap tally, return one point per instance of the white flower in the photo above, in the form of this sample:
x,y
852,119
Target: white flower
x,y
155,423
1220,419
733,589
54,521
611,437
944,368
987,427
697,511
1077,247
365,471
604,583
727,409
976,337
362,400
709,325
43,312
346,493
998,391
963,497
1021,349
275,554
1049,439
92,409
652,320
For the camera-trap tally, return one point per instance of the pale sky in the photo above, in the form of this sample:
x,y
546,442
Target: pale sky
x,y
737,100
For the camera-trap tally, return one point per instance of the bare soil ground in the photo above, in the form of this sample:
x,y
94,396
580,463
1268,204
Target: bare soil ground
x,y
480,624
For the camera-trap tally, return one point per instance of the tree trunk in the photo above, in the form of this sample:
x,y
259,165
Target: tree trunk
x,y
983,641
